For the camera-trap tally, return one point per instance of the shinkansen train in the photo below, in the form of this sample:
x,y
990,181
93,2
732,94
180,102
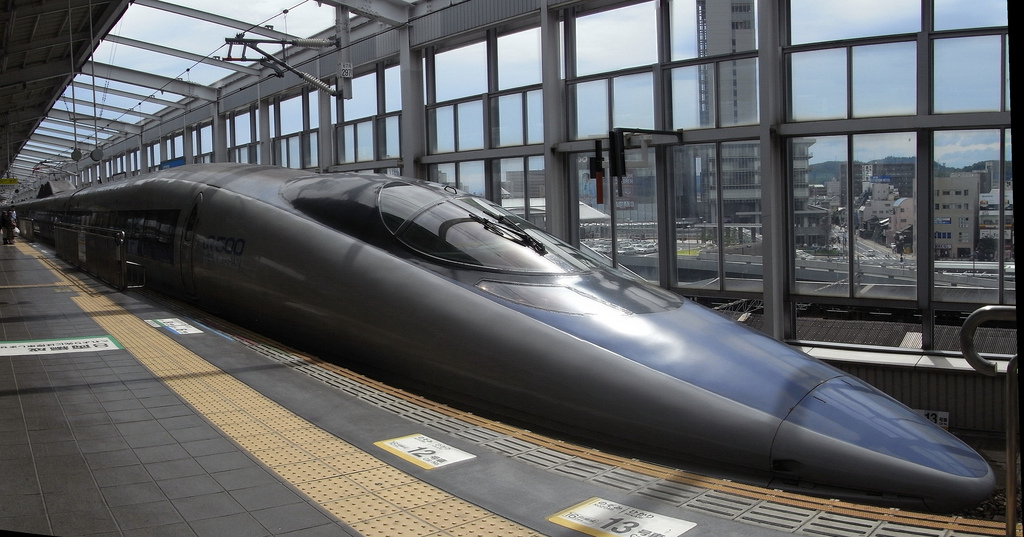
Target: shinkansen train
x,y
460,298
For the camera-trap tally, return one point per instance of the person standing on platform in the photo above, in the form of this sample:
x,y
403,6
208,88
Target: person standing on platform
x,y
9,222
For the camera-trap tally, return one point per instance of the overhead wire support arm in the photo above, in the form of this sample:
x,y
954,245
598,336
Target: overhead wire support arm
x,y
619,139
275,63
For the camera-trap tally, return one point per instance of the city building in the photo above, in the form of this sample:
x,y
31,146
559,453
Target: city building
x,y
956,215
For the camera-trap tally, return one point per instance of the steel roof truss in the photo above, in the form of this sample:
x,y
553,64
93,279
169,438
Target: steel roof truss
x,y
152,47
86,123
393,12
111,108
216,19
138,96
71,126
57,142
151,81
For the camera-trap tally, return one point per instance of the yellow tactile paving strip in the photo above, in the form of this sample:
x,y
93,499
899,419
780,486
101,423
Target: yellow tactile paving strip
x,y
361,490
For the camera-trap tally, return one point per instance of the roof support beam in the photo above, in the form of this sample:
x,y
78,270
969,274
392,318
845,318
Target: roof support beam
x,y
28,155
121,93
101,106
44,43
216,19
34,74
25,168
63,150
183,54
33,114
35,9
395,13
56,122
54,133
148,80
58,142
86,122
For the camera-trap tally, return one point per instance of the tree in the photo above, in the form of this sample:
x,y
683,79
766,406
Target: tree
x,y
986,249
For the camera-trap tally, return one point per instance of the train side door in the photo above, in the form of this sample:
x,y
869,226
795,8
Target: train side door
x,y
188,242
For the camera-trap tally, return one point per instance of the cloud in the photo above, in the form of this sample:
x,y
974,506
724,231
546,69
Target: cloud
x,y
868,147
964,148
602,43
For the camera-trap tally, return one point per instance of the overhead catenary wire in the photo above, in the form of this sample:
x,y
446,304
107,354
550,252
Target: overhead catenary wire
x,y
160,90
259,80
97,153
71,56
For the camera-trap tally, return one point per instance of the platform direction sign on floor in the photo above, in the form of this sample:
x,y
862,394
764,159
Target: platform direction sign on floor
x,y
604,518
58,346
424,451
176,326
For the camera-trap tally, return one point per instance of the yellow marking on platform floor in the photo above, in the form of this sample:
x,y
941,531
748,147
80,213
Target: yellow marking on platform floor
x,y
361,490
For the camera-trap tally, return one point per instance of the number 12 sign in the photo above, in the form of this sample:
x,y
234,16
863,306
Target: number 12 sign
x,y
424,451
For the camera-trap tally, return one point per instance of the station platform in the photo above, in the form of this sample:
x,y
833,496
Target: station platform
x,y
127,413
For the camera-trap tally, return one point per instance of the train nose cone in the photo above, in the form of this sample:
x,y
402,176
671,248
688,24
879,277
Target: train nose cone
x,y
845,435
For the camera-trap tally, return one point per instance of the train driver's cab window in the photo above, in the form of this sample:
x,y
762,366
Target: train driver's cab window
x,y
473,231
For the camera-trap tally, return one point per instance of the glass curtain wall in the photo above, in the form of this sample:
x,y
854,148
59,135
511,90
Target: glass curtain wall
x,y
972,210
521,184
706,78
355,135
613,87
886,221
897,185
367,126
243,128
486,120
202,143
295,122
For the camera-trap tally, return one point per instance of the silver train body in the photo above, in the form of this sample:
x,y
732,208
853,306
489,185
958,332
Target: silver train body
x,y
459,297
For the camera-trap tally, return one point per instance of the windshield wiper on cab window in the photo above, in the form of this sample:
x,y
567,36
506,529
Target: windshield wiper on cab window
x,y
504,227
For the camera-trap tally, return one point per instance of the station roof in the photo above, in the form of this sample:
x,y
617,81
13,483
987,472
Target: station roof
x,y
43,43
77,74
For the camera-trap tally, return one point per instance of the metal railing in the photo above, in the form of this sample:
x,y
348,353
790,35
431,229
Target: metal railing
x,y
25,229
100,252
976,319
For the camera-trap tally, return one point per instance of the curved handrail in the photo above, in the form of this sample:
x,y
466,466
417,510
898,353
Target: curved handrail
x,y
974,320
